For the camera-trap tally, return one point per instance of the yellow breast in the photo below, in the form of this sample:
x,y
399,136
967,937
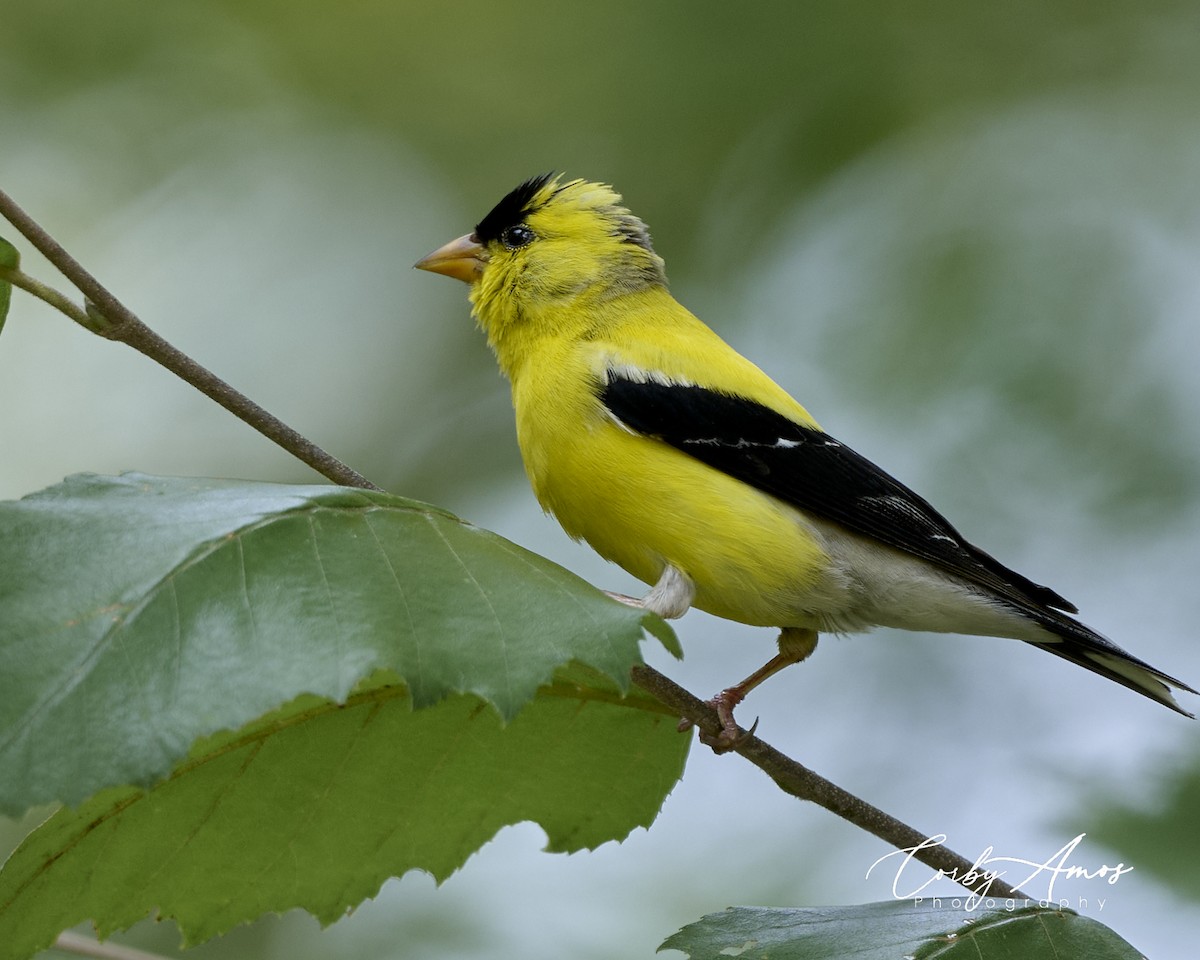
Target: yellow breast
x,y
642,504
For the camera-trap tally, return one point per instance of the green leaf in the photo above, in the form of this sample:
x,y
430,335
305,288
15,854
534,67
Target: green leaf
x,y
316,805
895,929
140,613
9,257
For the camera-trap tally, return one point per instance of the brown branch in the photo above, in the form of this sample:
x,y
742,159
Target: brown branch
x,y
797,780
106,316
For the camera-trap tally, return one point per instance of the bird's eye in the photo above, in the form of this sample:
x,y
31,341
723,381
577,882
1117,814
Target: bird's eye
x,y
517,236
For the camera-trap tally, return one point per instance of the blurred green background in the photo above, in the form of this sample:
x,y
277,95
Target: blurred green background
x,y
966,236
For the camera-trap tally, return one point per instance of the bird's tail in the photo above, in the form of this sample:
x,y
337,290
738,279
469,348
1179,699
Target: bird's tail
x,y
1082,645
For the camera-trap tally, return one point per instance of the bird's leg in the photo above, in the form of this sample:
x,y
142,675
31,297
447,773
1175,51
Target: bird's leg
x,y
670,598
795,644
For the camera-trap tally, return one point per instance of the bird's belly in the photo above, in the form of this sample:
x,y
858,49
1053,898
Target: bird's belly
x,y
643,505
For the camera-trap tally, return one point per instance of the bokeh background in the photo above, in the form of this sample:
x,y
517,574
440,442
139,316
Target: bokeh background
x,y
967,236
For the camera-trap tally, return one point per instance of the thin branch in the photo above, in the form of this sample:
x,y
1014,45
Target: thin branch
x,y
83,946
796,779
46,294
109,318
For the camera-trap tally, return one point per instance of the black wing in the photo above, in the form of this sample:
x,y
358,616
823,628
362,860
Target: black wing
x,y
810,470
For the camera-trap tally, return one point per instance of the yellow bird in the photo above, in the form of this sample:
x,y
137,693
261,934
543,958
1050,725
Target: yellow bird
x,y
677,458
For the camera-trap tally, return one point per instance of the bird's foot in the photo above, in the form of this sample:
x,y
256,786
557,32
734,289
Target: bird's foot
x,y
670,598
795,644
626,599
731,735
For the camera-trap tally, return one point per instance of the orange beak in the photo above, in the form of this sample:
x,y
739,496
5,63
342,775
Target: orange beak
x,y
462,259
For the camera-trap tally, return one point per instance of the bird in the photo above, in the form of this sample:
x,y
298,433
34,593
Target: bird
x,y
649,437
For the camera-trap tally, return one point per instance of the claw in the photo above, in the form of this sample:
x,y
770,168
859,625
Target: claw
x,y
731,736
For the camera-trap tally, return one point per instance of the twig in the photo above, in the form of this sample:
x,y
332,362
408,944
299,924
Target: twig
x,y
111,319
46,294
83,946
796,779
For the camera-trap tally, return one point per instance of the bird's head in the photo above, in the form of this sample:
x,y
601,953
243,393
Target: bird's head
x,y
546,247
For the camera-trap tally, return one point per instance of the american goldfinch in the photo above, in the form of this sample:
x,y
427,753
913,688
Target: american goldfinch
x,y
649,437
